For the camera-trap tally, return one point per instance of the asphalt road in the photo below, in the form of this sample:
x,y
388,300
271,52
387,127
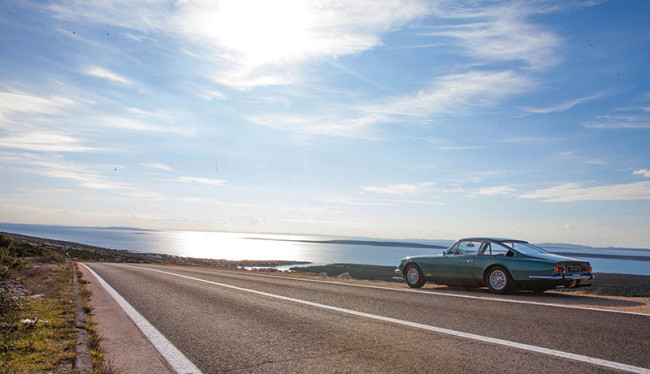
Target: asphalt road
x,y
226,321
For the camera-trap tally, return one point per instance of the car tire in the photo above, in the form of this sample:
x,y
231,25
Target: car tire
x,y
498,280
413,275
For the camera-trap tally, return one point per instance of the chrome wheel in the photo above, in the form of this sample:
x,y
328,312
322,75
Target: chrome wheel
x,y
412,275
498,280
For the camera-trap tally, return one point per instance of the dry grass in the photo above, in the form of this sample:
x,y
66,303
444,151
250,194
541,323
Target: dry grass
x,y
47,345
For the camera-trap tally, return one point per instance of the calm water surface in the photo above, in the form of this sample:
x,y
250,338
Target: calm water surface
x,y
240,246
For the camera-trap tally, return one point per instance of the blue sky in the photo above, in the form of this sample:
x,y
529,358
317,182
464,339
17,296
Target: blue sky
x,y
389,119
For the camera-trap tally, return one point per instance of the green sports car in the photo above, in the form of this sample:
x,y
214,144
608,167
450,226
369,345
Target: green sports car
x,y
500,264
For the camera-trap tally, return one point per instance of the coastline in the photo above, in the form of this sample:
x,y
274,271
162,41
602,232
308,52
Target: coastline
x,y
607,284
86,252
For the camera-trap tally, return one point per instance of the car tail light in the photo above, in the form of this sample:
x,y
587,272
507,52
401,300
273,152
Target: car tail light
x,y
560,269
587,269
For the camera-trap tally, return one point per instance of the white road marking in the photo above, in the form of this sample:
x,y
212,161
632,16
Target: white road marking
x,y
481,338
174,357
427,292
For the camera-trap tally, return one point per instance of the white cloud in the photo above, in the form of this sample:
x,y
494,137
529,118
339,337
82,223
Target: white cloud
x,y
449,93
567,227
445,95
497,33
401,189
212,182
99,72
258,37
12,103
576,192
619,122
159,166
45,142
420,202
126,123
247,42
496,190
55,167
528,140
642,172
562,107
349,201
354,127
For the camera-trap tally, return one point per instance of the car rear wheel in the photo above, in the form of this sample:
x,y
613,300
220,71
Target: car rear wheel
x,y
499,280
414,276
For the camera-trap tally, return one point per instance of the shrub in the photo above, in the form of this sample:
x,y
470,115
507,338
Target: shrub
x,y
8,308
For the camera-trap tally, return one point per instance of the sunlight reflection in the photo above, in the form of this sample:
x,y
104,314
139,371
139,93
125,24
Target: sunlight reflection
x,y
237,246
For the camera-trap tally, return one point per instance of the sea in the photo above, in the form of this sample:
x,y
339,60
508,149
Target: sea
x,y
315,249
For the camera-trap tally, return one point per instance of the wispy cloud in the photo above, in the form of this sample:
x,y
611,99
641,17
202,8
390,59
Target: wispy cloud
x,y
258,38
619,122
445,95
632,117
419,202
577,192
132,124
45,142
448,145
249,43
99,72
13,103
498,33
401,189
350,201
567,227
208,181
528,140
57,168
158,166
562,107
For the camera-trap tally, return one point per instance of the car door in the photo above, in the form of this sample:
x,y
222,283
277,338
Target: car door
x,y
457,266
491,253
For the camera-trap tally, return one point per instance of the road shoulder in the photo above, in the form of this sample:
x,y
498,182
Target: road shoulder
x,y
125,348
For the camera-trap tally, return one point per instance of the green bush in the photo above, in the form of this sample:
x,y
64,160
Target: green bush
x,y
8,308
11,253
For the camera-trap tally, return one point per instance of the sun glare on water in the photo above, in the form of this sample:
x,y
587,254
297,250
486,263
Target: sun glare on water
x,y
236,246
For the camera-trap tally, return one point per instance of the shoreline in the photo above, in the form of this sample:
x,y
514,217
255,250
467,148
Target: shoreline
x,y
608,284
86,252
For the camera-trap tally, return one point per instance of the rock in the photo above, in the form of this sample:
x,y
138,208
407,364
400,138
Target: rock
x,y
345,275
29,323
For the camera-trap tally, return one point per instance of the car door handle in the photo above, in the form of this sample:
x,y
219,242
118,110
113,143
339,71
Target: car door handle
x,y
470,261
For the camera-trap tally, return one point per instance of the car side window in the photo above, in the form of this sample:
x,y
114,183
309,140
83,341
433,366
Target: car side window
x,y
468,247
498,250
494,249
452,250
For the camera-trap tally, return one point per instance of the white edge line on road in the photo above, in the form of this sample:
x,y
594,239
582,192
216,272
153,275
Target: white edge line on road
x,y
174,357
481,338
426,292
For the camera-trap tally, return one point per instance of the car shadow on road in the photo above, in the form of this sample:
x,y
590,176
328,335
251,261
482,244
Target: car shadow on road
x,y
556,297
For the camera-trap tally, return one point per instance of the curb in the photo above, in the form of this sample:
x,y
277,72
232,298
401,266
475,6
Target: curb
x,y
82,362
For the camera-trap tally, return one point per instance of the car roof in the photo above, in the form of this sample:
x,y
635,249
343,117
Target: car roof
x,y
483,239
